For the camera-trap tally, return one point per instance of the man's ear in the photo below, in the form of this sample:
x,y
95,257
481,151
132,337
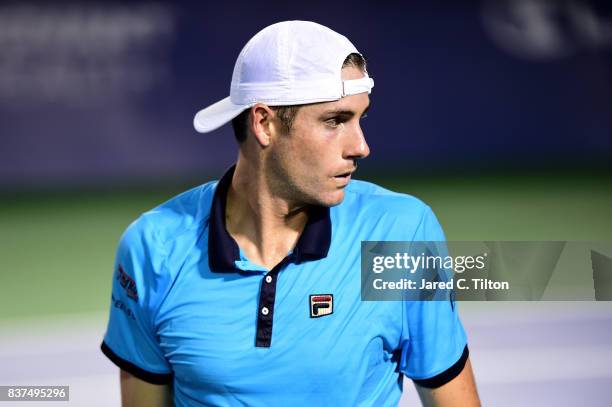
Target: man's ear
x,y
262,123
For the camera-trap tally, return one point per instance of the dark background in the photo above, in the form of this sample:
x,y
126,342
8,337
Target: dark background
x,y
105,93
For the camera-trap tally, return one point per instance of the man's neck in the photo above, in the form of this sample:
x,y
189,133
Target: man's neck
x,y
265,226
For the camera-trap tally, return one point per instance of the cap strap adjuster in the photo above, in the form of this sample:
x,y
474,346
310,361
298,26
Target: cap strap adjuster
x,y
355,86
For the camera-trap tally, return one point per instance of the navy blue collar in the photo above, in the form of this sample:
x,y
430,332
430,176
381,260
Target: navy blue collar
x,y
223,250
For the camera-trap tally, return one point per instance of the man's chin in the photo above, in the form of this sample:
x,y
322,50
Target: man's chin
x,y
332,199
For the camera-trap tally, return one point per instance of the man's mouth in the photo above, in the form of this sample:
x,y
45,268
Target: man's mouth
x,y
345,176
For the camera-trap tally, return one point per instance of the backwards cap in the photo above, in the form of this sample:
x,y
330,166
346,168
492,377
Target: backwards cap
x,y
287,63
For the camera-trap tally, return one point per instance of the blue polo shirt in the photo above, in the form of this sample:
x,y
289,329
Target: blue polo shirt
x,y
188,308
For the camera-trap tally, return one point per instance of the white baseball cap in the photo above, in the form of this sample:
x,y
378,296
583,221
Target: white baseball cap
x,y
287,63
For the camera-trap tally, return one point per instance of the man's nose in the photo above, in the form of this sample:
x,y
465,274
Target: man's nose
x,y
356,147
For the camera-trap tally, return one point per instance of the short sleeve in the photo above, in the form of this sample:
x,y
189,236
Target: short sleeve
x,y
433,344
131,340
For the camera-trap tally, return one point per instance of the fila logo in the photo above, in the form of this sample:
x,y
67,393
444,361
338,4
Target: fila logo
x,y
321,305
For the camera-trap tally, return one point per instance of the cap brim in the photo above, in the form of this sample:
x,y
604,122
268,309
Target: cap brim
x,y
216,115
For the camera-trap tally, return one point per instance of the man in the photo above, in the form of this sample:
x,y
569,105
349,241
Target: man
x,y
247,291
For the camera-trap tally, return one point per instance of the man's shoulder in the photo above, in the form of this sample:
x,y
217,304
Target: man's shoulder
x,y
184,213
396,215
375,197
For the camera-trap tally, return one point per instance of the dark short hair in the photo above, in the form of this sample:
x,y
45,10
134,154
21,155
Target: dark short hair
x,y
286,114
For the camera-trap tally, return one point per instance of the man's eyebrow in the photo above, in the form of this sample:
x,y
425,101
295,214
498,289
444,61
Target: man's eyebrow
x,y
341,112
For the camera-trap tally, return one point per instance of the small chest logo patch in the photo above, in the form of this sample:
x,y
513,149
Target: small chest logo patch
x,y
321,305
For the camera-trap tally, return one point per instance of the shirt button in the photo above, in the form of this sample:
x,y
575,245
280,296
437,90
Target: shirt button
x,y
268,279
265,311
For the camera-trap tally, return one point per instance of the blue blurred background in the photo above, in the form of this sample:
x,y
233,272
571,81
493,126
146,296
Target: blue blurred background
x,y
497,113
105,93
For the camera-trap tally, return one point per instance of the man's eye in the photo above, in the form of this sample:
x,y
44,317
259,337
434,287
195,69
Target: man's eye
x,y
334,122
